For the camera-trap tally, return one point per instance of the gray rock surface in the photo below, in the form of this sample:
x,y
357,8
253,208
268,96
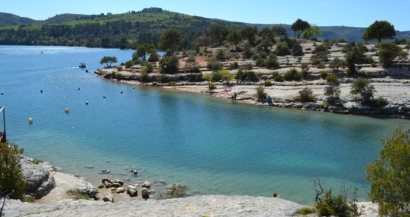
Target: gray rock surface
x,y
190,206
39,180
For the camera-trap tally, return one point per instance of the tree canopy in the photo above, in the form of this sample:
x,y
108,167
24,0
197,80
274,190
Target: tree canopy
x,y
234,37
108,60
217,33
379,30
388,52
249,33
170,41
144,49
362,87
298,26
311,32
389,175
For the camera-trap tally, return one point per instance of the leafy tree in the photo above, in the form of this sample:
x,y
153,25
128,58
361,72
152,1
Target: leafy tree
x,y
108,60
332,78
225,75
234,37
143,49
11,177
266,34
271,62
298,26
336,63
332,92
388,52
362,87
311,32
208,77
306,95
279,31
214,65
249,34
379,30
169,64
170,41
260,92
217,33
354,56
297,50
220,54
282,49
390,175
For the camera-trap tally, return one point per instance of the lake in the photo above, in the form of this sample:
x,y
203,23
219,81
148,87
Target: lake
x,y
213,146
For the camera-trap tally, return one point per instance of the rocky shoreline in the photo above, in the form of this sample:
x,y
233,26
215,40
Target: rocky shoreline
x,y
50,185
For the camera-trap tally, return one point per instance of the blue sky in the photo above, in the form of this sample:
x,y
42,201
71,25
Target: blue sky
x,y
356,13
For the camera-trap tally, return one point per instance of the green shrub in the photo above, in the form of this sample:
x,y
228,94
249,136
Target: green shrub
x,y
163,78
233,66
118,76
144,77
214,65
292,74
306,95
373,65
306,210
380,102
279,78
332,92
197,77
404,108
260,92
321,66
315,61
271,62
250,76
332,78
37,161
11,175
129,63
242,92
177,191
78,194
323,74
211,86
268,83
119,68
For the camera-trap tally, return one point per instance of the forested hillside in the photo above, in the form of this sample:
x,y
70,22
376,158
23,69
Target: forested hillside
x,y
132,28
121,31
7,19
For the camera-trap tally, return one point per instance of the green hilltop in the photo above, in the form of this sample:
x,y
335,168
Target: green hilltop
x,y
129,29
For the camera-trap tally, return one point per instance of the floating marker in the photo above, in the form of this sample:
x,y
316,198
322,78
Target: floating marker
x,y
121,92
30,120
1,93
104,97
78,88
41,91
67,110
86,102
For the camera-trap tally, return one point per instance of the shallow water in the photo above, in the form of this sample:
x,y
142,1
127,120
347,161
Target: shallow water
x,y
211,145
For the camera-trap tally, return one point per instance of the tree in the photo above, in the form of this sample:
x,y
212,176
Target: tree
x,y
234,37
297,50
208,77
336,63
226,75
311,32
362,87
266,34
11,177
217,33
169,64
282,49
298,26
388,52
279,31
108,60
355,55
143,49
170,41
332,92
249,34
389,175
271,62
306,95
379,30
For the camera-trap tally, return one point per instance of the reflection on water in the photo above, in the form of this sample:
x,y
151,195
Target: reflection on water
x,y
212,145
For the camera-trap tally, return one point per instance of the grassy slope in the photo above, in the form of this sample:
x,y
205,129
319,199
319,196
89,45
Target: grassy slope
x,y
7,19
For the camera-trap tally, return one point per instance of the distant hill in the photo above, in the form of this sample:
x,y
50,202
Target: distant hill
x,y
64,17
7,19
134,27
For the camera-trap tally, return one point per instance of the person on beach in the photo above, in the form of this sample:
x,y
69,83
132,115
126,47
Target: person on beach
x,y
234,96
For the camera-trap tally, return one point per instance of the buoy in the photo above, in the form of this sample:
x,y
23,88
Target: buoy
x,y
1,93
78,88
121,92
30,120
86,102
86,71
104,97
67,110
41,91
274,194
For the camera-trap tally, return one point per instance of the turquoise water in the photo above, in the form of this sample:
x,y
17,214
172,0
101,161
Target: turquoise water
x,y
211,145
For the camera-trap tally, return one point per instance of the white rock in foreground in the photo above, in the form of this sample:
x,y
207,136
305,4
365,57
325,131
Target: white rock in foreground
x,y
205,205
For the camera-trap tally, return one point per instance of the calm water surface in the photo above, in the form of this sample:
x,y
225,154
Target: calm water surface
x,y
211,145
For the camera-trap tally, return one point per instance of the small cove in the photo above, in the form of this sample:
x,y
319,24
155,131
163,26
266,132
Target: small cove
x,y
211,145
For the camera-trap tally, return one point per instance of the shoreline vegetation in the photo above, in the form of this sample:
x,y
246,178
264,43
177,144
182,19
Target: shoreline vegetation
x,y
200,72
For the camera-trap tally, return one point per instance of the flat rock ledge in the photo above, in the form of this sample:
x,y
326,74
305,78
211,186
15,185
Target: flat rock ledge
x,y
205,205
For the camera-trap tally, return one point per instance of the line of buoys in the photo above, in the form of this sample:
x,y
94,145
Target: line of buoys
x,y
30,120
67,110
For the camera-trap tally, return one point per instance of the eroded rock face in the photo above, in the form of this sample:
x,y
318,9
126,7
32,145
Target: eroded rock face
x,y
39,180
86,188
